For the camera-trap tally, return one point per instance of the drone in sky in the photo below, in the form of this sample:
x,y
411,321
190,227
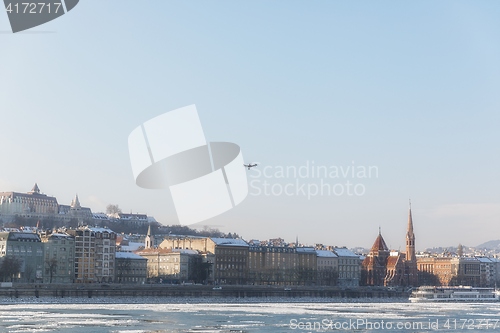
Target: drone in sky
x,y
250,165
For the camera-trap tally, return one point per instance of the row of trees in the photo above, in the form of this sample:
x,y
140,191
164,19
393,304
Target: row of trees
x,y
118,226
45,223
10,269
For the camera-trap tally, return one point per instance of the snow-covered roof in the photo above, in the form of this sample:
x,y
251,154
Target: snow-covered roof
x,y
185,236
343,252
28,236
59,235
305,250
325,253
469,259
185,251
128,255
486,260
98,229
10,230
229,241
28,229
131,247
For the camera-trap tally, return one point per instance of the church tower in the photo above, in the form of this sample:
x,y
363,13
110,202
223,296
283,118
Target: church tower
x,y
411,260
76,210
410,239
149,241
375,263
75,203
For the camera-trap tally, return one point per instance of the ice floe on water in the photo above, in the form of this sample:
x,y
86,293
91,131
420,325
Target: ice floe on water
x,y
165,315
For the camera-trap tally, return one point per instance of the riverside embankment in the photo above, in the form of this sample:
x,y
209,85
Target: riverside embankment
x,y
163,290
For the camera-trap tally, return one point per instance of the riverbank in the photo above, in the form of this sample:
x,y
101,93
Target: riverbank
x,y
159,291
193,300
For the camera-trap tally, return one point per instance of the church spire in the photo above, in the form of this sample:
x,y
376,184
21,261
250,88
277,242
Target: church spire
x,y
35,189
75,204
410,238
410,221
149,240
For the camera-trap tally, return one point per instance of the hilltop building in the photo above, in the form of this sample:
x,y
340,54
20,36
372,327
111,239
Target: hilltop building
x,y
137,219
37,205
75,211
30,204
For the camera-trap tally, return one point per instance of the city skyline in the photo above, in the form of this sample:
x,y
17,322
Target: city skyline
x,y
84,214
407,88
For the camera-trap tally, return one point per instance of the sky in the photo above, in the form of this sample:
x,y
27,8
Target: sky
x,y
408,90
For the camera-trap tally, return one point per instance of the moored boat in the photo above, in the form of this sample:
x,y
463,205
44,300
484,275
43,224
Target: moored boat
x,y
454,294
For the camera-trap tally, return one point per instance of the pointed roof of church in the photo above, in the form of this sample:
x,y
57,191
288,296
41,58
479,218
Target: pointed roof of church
x,y
75,203
149,234
35,189
379,244
410,223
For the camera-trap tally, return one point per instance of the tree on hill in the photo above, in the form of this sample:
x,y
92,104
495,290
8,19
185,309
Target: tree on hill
x,y
113,209
206,232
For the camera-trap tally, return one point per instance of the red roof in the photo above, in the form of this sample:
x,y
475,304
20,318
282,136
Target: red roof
x,y
392,261
379,245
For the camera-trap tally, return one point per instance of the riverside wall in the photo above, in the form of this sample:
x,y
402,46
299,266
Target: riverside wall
x,y
161,290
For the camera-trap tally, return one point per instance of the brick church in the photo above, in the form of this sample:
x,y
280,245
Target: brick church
x,y
392,268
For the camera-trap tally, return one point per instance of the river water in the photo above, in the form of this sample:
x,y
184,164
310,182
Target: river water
x,y
211,316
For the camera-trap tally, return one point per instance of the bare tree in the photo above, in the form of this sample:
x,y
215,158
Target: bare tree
x,y
10,267
113,209
51,267
29,272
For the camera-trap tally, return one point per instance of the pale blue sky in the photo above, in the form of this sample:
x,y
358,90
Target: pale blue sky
x,y
410,87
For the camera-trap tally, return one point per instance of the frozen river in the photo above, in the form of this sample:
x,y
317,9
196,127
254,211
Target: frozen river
x,y
190,315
